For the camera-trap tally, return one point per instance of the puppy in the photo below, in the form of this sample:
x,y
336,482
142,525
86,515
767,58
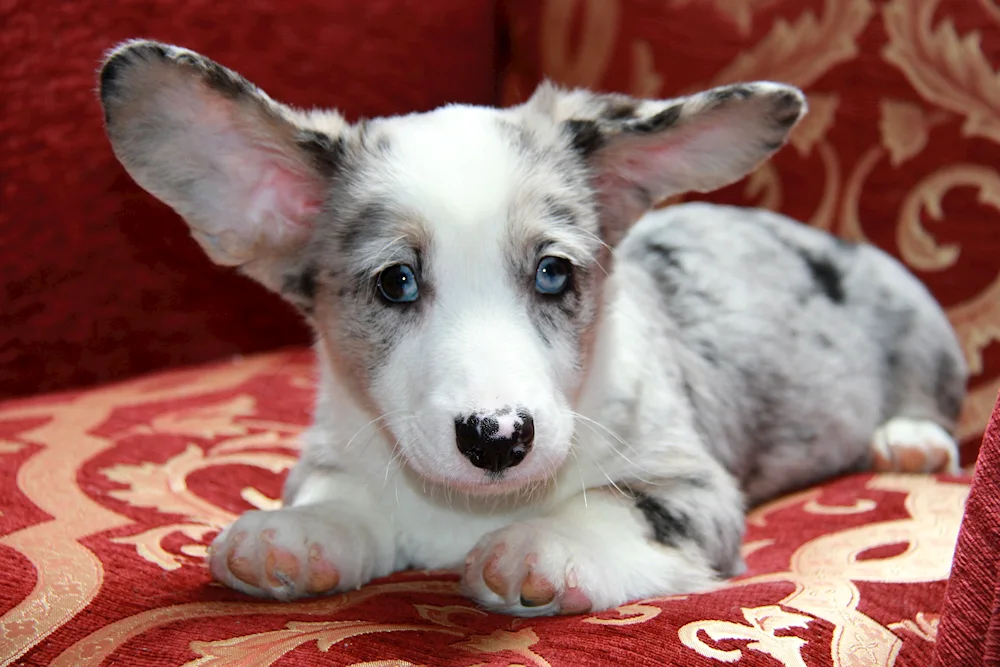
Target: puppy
x,y
524,373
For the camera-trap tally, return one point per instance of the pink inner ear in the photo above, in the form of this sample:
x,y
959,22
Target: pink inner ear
x,y
645,161
297,194
282,201
274,193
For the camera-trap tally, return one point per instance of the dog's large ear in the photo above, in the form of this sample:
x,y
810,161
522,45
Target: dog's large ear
x,y
644,151
242,170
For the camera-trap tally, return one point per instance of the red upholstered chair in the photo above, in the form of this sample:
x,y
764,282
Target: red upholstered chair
x,y
111,487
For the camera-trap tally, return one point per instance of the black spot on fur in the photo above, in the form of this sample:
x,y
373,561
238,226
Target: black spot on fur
x,y
729,92
300,288
826,275
665,254
307,283
620,109
585,136
670,526
657,122
220,79
949,385
325,152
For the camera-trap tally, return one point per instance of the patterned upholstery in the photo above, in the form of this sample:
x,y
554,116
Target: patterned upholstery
x,y
110,496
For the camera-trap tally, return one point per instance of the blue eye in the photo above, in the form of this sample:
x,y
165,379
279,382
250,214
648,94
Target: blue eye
x,y
552,275
397,284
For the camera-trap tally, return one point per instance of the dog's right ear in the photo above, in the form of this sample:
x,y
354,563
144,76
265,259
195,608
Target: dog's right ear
x,y
243,171
640,152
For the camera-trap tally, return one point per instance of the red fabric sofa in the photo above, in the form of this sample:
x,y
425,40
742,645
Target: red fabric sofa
x,y
148,397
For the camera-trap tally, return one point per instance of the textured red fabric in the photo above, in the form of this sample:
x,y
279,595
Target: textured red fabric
x,y
109,497
897,148
970,626
101,281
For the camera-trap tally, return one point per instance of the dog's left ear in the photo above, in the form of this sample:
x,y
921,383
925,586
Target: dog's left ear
x,y
644,151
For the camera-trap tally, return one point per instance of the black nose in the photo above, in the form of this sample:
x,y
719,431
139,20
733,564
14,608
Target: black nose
x,y
495,441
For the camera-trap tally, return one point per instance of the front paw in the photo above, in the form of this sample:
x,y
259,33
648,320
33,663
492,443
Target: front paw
x,y
526,569
291,553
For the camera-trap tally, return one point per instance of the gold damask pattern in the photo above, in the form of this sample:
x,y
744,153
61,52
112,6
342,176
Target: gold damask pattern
x,y
900,146
134,480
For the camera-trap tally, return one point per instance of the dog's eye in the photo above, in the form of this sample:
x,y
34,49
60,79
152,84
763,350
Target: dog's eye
x,y
397,284
552,275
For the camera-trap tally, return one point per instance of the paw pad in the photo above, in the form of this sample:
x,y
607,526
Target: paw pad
x,y
518,582
259,564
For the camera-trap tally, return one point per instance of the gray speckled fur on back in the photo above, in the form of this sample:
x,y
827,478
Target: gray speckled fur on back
x,y
794,345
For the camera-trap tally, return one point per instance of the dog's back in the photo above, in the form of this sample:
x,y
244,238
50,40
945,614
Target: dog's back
x,y
794,345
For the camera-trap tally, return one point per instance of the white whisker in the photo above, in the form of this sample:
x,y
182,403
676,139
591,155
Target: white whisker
x,y
579,469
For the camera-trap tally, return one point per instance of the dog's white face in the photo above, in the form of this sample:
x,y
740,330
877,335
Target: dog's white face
x,y
492,253
451,262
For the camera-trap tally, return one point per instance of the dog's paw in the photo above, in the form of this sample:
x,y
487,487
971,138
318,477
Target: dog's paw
x,y
527,570
913,446
288,554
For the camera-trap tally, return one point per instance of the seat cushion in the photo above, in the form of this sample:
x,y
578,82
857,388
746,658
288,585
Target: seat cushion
x,y
110,496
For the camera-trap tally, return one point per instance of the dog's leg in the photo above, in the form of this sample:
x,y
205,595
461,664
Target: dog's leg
x,y
611,546
329,539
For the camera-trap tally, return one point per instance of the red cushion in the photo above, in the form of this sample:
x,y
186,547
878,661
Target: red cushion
x,y
904,117
109,497
100,280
